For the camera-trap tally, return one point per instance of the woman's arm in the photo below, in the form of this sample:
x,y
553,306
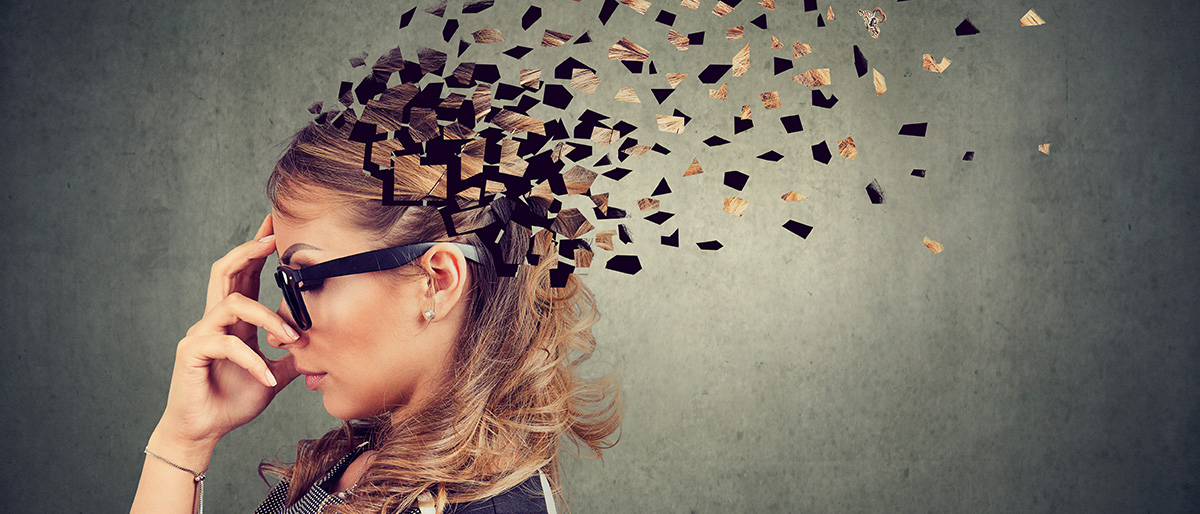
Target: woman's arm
x,y
220,380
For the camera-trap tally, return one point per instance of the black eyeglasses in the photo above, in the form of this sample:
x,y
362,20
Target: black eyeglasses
x,y
295,281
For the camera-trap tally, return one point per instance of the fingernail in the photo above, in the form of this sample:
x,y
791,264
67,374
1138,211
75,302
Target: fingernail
x,y
267,239
291,333
271,379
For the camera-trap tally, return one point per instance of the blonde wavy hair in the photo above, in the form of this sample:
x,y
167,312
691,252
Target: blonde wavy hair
x,y
515,395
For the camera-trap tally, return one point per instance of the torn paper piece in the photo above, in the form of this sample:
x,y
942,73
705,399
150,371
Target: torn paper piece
x,y
829,14
1044,148
745,112
722,9
880,84
553,38
583,258
928,64
679,40
735,205
627,94
814,78
570,224
690,4
847,148
531,78
769,4
648,204
741,61
1031,19
487,36
584,80
515,122
693,168
636,150
872,19
776,43
675,78
735,33
604,239
770,100
672,124
626,50
641,6
792,196
604,136
719,93
800,49
935,246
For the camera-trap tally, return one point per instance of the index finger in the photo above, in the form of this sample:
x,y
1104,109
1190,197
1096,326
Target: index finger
x,y
228,272
247,281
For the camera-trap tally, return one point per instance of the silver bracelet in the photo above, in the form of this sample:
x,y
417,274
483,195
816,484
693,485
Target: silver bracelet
x,y
197,477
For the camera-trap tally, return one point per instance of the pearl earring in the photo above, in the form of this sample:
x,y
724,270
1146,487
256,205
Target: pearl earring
x,y
428,314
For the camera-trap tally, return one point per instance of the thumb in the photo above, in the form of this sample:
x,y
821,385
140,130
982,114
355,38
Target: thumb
x,y
284,369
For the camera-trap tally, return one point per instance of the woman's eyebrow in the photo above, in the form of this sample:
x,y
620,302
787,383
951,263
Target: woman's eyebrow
x,y
286,258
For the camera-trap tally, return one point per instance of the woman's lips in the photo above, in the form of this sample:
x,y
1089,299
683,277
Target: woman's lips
x,y
313,381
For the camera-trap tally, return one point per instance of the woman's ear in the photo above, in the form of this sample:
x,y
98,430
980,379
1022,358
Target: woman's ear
x,y
446,267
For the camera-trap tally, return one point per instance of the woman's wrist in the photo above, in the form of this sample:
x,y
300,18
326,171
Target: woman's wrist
x,y
191,454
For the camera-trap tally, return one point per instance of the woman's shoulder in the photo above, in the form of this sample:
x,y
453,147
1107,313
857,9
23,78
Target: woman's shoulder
x,y
533,496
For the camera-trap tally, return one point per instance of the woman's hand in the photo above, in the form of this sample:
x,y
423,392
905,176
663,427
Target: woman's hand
x,y
221,379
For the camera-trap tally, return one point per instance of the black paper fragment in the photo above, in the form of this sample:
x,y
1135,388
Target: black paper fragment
x,y
860,62
652,70
612,214
665,18
559,274
715,141
579,152
659,217
696,38
474,6
736,179
874,192
607,10
819,100
671,240
617,174
557,96
772,156
449,30
556,130
486,73
662,188
627,264
463,45
760,21
531,16
657,148
966,28
662,94
792,123
918,173
710,245
686,119
623,233
602,161
782,65
820,21
633,66
798,228
810,5
566,69
585,38
518,51
626,128
358,60
969,156
344,93
714,72
740,125
914,129
407,17
821,153
506,91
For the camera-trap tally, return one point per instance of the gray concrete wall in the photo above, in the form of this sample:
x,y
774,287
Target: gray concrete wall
x,y
1044,362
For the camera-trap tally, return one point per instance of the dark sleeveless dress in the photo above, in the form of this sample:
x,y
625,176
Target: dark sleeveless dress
x,y
533,496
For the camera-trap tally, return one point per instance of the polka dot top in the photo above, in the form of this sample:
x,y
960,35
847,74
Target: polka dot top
x,y
533,496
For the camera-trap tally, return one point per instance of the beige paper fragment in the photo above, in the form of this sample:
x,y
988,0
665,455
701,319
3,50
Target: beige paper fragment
x,y
722,9
829,14
880,84
719,93
627,94
515,122
531,78
675,78
792,196
604,137
928,64
570,224
648,204
584,80
690,4
693,168
679,40
626,50
770,100
847,148
583,258
745,112
741,61
604,239
542,242
636,150
641,6
672,124
487,36
556,154
1031,19
578,180
735,205
935,246
800,49
1044,148
554,38
776,43
452,101
735,33
482,100
601,201
769,4
814,78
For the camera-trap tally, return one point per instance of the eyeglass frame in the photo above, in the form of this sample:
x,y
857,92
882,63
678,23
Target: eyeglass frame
x,y
292,281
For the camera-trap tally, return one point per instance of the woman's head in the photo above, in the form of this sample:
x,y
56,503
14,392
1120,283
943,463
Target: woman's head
x,y
470,402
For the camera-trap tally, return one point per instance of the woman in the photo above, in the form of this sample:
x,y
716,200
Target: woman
x,y
456,383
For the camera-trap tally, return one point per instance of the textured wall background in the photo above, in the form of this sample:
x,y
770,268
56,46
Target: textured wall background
x,y
1045,362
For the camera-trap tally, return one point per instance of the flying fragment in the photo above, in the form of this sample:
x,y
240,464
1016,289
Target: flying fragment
x,y
928,64
1031,19
735,205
